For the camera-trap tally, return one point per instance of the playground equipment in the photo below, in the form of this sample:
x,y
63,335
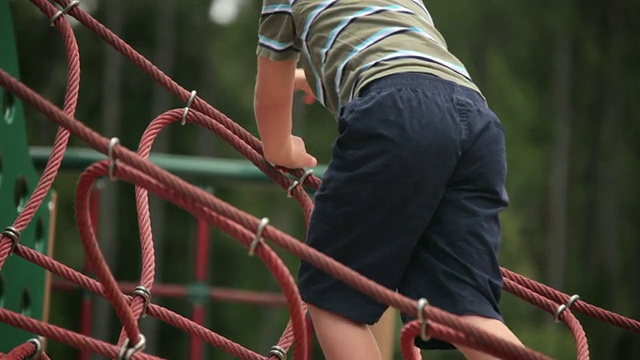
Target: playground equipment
x,y
23,285
134,167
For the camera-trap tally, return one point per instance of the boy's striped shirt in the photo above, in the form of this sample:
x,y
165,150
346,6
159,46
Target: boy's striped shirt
x,y
348,43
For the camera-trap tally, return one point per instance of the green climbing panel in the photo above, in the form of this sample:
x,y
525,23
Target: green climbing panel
x,y
22,284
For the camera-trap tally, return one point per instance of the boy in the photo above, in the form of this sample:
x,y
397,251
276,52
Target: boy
x,y
412,194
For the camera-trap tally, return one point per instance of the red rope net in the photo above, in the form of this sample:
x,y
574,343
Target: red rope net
x,y
134,168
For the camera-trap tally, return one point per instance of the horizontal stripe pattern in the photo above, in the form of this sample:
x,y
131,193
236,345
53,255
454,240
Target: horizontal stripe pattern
x,y
278,8
346,42
275,45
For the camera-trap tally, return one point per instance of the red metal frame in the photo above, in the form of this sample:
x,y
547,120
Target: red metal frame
x,y
202,263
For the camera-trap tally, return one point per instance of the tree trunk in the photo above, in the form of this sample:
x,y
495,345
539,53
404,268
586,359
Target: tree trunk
x,y
111,114
612,145
558,194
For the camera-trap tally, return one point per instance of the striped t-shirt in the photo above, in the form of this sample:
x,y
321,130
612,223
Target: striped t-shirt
x,y
346,44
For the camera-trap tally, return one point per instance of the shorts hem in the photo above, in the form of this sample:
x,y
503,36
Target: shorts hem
x,y
361,313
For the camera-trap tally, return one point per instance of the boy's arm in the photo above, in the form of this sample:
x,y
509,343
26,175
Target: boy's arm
x,y
272,105
278,50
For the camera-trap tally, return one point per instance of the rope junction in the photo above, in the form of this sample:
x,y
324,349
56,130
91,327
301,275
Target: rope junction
x,y
133,167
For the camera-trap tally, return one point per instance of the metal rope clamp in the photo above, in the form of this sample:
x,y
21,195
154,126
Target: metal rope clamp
x,y
126,351
111,156
563,307
422,303
258,238
185,112
13,234
145,294
64,11
37,354
299,182
278,352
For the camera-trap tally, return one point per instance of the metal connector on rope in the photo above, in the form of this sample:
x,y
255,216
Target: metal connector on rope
x,y
299,182
126,351
13,234
278,352
52,21
111,156
37,354
422,303
185,112
145,294
258,238
563,307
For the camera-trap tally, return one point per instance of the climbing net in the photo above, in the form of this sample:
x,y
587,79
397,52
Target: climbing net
x,y
251,232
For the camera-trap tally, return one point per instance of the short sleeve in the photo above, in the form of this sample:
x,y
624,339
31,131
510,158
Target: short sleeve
x,y
277,39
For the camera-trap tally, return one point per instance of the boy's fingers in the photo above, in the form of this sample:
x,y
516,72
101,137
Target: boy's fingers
x,y
312,162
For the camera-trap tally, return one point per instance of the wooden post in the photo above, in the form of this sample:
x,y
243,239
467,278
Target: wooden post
x,y
385,333
47,277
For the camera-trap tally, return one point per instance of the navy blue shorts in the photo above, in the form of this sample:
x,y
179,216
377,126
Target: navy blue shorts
x,y
411,200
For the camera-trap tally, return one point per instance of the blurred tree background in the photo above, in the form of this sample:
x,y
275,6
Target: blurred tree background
x,y
564,77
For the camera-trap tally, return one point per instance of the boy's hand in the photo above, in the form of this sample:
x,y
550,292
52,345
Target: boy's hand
x,y
300,83
291,155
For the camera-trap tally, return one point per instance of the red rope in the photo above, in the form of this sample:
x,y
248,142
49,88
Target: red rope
x,y
412,330
579,306
70,102
25,351
135,169
297,326
42,357
549,306
62,335
21,352
154,310
268,256
198,104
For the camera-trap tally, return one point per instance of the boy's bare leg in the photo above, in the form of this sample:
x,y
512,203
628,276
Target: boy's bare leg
x,y
343,339
492,326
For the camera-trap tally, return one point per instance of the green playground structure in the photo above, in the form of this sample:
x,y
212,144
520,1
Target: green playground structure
x,y
23,285
218,168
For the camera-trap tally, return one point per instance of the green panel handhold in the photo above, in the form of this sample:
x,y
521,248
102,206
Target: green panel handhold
x,y
22,284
